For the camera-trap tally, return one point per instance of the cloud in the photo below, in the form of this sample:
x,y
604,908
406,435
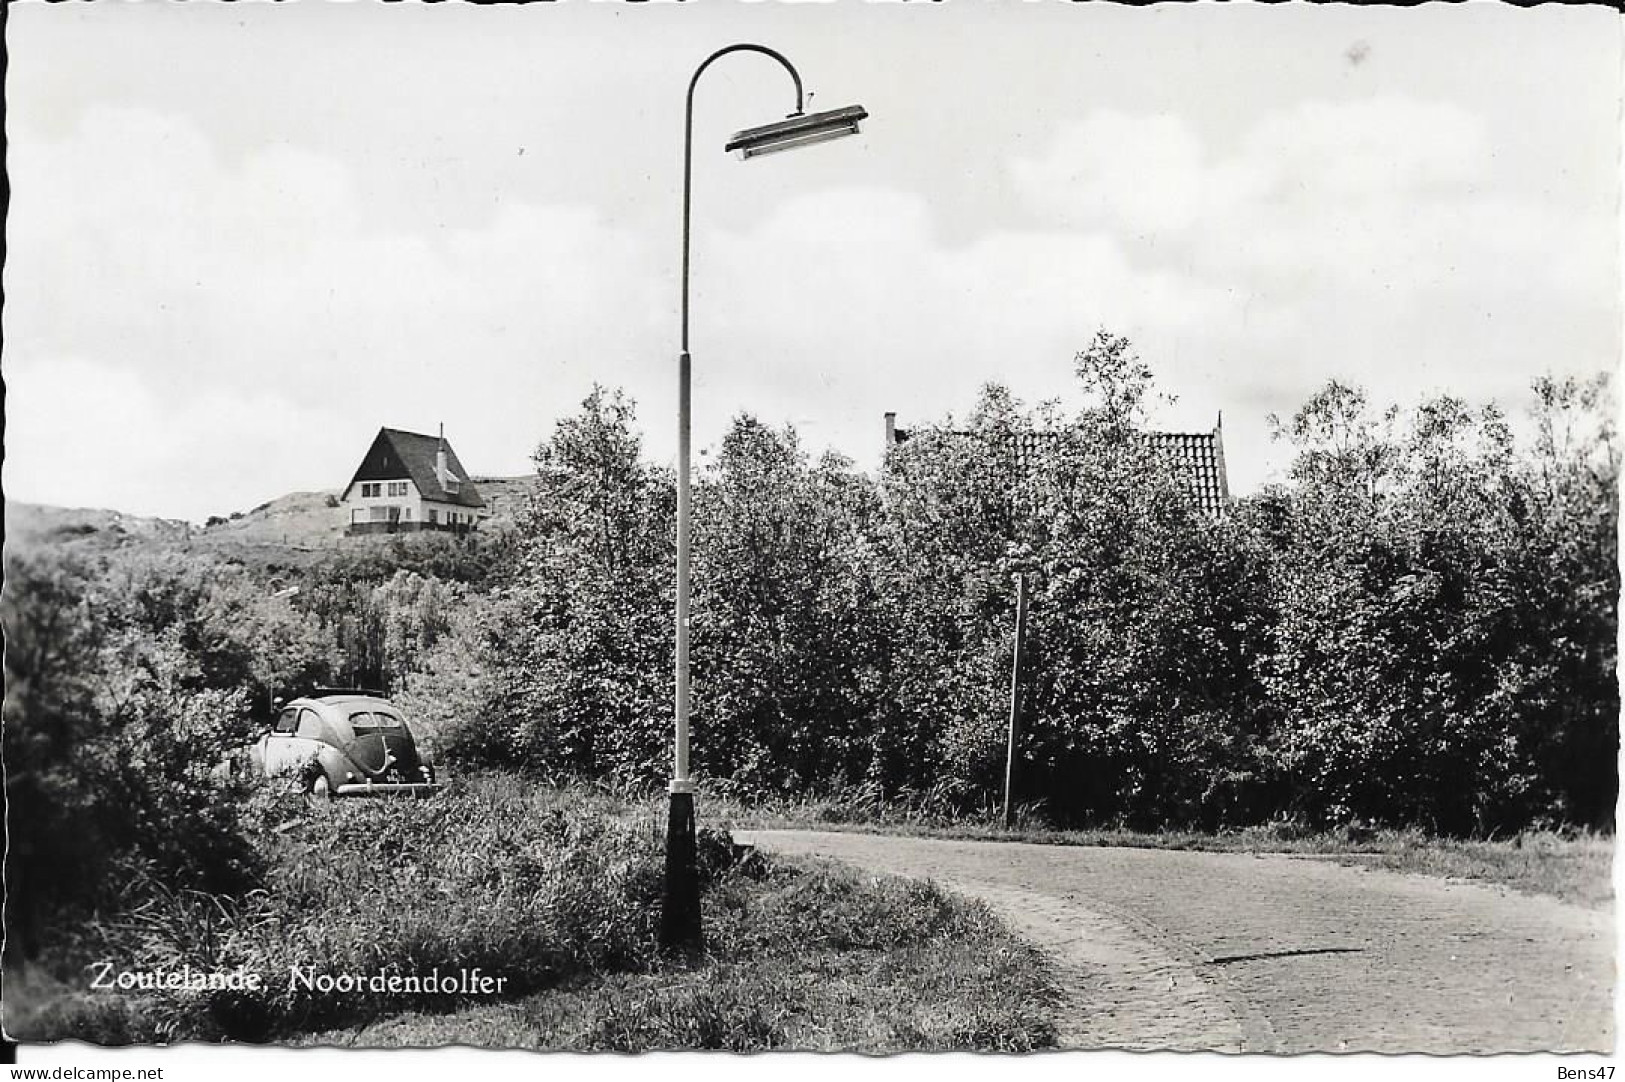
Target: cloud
x,y
190,299
81,434
1382,191
265,270
1143,173
851,300
1372,239
202,286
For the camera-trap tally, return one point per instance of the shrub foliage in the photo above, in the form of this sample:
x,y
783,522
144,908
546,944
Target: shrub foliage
x,y
1415,628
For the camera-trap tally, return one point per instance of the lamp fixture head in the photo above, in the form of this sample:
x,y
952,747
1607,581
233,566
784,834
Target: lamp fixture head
x,y
803,129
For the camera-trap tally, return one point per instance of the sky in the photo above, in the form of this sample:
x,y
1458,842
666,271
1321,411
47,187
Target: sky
x,y
243,237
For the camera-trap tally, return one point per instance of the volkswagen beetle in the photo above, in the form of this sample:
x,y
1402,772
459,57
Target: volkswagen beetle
x,y
344,742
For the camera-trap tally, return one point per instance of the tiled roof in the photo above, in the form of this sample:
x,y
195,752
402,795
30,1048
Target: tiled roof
x,y
396,454
1197,459
1198,463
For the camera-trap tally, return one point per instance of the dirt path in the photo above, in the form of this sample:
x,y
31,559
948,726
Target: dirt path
x,y
1184,950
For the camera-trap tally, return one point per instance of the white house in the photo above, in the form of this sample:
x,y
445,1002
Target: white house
x,y
408,481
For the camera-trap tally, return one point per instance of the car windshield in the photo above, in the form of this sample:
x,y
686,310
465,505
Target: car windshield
x,y
375,721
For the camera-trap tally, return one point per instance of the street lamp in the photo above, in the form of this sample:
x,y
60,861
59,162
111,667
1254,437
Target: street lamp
x,y
680,915
797,131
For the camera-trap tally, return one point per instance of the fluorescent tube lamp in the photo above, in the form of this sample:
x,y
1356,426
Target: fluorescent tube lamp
x,y
798,131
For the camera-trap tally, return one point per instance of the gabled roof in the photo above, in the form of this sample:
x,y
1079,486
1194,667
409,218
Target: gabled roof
x,y
396,455
1197,459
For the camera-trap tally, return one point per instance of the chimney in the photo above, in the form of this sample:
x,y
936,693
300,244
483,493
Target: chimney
x,y
440,457
891,428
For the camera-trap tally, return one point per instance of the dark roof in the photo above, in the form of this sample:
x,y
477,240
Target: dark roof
x,y
396,455
1197,459
1198,463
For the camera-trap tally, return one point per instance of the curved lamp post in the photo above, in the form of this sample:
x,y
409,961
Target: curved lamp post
x,y
680,916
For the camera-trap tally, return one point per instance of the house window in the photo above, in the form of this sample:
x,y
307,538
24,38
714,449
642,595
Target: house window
x,y
397,488
406,512
434,516
373,488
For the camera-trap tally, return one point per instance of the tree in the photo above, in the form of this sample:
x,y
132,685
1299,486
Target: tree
x,y
583,626
1439,596
785,627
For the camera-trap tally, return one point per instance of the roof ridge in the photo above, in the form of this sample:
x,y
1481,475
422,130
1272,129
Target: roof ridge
x,y
1057,431
1198,457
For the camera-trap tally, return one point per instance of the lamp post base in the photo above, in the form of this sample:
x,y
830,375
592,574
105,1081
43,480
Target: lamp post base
x,y
680,911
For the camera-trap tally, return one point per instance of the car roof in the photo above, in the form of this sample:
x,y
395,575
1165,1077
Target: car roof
x,y
350,700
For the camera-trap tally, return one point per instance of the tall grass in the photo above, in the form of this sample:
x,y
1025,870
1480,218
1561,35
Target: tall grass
x,y
800,954
556,892
522,882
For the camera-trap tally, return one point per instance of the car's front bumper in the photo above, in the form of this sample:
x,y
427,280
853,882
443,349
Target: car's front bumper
x,y
387,788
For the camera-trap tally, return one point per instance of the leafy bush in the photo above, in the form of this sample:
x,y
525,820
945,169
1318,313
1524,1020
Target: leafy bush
x,y
1418,629
133,680
113,738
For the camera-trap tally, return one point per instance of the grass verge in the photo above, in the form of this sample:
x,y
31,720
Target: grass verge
x,y
801,954
557,894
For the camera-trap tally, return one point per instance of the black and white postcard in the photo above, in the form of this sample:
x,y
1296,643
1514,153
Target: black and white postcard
x,y
841,527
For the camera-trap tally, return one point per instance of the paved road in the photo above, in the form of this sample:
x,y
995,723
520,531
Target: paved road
x,y
1182,950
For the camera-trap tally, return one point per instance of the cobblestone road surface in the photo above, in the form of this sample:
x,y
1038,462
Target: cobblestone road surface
x,y
1186,950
